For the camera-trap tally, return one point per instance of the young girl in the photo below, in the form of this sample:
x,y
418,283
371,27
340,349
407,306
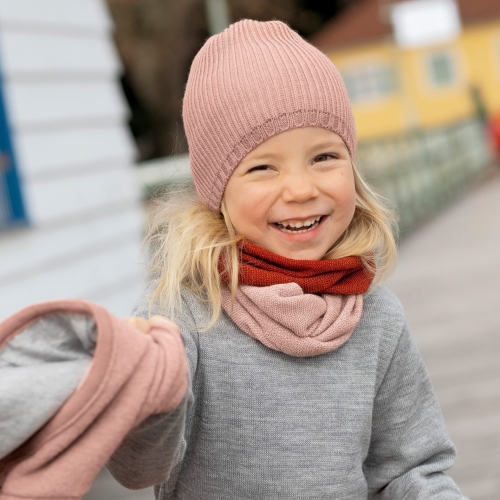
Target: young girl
x,y
304,381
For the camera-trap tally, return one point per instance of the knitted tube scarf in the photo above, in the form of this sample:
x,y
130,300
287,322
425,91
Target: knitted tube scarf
x,y
260,267
299,307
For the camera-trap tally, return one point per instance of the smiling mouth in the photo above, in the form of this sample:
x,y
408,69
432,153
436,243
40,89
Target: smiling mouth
x,y
294,227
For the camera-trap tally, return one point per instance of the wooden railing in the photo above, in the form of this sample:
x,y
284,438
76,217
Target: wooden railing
x,y
422,171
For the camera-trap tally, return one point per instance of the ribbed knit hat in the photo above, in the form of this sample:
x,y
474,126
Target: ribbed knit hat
x,y
249,83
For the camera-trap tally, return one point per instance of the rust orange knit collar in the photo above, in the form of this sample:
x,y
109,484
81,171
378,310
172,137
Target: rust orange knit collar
x,y
260,267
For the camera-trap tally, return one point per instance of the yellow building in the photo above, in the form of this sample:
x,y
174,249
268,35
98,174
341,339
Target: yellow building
x,y
394,89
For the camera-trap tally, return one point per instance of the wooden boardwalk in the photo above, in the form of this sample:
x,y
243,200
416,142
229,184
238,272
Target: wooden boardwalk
x,y
448,279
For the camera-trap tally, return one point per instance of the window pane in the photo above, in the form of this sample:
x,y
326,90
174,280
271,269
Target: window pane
x,y
369,82
442,69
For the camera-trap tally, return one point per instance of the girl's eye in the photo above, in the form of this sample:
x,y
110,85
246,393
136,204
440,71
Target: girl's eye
x,y
324,157
258,168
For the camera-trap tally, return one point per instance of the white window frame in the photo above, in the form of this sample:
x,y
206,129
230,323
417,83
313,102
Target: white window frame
x,y
366,81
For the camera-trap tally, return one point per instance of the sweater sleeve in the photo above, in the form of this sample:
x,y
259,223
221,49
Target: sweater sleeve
x,y
153,452
409,449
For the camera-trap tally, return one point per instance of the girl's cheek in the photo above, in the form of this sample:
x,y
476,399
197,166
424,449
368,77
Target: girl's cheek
x,y
259,200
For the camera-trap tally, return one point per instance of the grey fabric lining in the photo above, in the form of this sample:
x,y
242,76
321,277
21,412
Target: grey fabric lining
x,y
39,370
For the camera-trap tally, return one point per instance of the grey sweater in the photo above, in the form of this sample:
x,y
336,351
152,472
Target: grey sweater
x,y
358,422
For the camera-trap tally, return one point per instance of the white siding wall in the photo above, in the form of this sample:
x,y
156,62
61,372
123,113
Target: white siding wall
x,y
67,117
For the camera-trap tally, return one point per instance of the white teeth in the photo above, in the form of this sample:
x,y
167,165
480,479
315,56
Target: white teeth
x,y
286,225
297,224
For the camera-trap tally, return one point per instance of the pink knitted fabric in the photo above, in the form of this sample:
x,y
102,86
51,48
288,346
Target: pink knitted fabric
x,y
286,319
248,83
133,375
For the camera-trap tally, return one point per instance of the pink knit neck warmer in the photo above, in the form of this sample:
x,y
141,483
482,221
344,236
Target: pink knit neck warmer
x,y
286,319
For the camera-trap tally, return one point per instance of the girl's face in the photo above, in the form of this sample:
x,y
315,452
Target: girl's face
x,y
294,194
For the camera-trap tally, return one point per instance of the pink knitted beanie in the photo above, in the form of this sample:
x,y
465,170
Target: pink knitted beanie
x,y
248,83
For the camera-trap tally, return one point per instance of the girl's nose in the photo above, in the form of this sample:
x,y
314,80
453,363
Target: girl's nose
x,y
299,188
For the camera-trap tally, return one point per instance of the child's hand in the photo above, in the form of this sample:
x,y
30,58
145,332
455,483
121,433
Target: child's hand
x,y
145,325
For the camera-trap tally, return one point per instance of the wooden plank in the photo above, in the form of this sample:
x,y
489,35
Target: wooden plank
x,y
75,149
65,243
41,55
64,197
87,14
83,278
121,297
46,104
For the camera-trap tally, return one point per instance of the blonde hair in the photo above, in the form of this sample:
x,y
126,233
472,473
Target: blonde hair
x,y
187,239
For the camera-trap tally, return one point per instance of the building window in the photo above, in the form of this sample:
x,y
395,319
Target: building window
x,y
369,82
442,71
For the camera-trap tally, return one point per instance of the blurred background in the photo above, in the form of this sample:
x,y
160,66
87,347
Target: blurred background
x,y
90,129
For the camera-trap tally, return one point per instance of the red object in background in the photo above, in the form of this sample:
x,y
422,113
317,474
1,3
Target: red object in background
x,y
494,131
